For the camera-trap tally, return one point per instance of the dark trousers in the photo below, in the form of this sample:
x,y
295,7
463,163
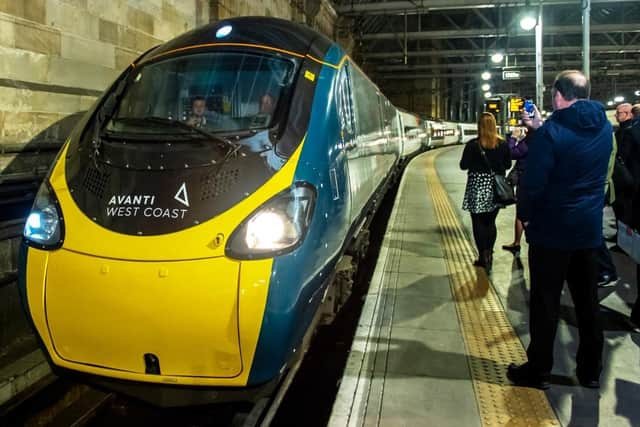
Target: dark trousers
x,y
606,267
623,208
484,229
549,269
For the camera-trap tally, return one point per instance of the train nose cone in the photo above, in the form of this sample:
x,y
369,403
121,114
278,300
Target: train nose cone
x,y
175,318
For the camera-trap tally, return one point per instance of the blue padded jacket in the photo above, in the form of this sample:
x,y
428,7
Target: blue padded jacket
x,y
561,192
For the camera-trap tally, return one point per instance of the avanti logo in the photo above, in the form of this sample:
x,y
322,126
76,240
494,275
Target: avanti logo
x,y
182,196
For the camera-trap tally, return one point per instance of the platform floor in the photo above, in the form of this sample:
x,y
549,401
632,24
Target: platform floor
x,y
436,334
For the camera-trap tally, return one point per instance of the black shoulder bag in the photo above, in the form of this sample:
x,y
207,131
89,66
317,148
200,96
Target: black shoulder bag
x,y
503,193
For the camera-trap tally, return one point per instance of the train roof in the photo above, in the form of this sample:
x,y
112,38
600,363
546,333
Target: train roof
x,y
251,31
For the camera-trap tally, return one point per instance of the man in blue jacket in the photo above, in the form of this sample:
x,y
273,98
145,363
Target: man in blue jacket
x,y
561,206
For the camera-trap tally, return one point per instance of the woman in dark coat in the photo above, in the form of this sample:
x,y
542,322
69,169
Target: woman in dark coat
x,y
519,149
482,157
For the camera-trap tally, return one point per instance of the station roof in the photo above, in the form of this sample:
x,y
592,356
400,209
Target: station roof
x,y
421,39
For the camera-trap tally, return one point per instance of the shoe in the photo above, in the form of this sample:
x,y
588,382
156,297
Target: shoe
x,y
522,375
606,281
589,383
513,248
588,379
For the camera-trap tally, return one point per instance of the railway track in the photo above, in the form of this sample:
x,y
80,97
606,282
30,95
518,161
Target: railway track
x,y
63,402
67,402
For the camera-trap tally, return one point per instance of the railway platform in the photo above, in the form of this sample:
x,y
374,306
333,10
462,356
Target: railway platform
x,y
436,334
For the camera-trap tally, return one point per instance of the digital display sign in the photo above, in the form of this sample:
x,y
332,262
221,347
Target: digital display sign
x,y
492,106
516,105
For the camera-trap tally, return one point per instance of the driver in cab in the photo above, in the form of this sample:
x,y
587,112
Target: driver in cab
x,y
198,108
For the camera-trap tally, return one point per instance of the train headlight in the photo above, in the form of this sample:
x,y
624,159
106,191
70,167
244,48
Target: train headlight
x,y
277,227
44,226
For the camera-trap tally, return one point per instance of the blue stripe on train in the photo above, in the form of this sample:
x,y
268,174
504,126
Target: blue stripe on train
x,y
296,284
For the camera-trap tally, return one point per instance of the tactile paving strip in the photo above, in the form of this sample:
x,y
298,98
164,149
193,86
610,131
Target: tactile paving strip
x,y
489,338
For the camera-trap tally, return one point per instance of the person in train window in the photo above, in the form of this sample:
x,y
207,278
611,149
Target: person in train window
x,y
267,104
478,195
198,109
266,107
517,141
561,201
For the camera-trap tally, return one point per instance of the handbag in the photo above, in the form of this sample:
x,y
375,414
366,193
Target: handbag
x,y
503,193
513,177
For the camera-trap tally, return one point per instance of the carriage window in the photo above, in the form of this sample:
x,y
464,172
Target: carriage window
x,y
367,108
218,92
344,101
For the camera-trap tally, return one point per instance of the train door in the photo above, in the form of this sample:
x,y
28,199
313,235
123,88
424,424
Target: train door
x,y
367,159
391,132
401,136
346,116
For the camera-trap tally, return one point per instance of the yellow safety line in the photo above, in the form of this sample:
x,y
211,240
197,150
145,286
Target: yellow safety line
x,y
490,341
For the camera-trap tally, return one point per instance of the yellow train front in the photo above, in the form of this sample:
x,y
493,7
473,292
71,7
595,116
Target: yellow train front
x,y
186,234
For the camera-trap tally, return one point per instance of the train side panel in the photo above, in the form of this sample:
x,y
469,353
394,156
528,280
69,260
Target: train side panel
x,y
468,131
412,134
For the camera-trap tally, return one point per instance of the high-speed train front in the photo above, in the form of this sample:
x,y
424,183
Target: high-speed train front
x,y
162,252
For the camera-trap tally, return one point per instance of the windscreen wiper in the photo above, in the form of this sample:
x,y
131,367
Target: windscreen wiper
x,y
171,122
106,110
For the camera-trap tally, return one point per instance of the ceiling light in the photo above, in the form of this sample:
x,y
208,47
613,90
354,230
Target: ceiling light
x,y
497,57
609,103
637,93
487,95
618,98
486,87
486,75
528,22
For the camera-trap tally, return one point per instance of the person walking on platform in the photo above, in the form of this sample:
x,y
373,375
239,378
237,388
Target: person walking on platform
x,y
628,138
482,157
519,149
607,272
627,172
561,202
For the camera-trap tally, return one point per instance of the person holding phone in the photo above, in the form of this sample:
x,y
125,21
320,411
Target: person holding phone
x,y
561,201
518,145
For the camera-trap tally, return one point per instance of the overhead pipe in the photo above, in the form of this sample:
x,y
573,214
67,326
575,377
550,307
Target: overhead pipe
x,y
492,33
425,6
558,50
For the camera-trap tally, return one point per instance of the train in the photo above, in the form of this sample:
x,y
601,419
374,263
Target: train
x,y
439,133
187,241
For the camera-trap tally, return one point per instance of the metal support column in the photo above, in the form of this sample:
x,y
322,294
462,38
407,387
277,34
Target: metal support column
x,y
460,101
586,54
404,48
539,65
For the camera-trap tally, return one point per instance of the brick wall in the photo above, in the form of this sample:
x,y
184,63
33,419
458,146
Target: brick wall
x,y
58,55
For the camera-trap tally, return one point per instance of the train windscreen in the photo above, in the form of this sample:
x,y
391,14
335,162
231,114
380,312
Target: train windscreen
x,y
217,92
